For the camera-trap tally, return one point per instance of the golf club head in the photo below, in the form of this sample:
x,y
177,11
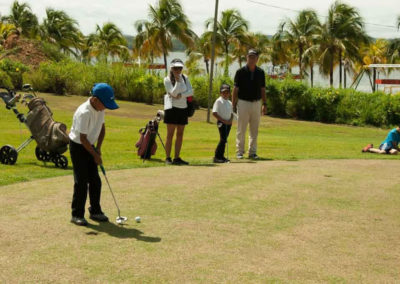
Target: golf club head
x,y
121,220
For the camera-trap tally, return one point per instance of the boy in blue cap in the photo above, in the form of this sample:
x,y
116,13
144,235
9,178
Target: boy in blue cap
x,y
87,129
389,146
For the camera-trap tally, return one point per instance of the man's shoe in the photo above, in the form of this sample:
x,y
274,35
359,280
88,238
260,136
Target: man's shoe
x,y
99,217
226,160
168,161
239,156
218,161
179,161
366,148
253,157
79,221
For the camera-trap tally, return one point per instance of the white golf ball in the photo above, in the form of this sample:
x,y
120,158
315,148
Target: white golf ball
x,y
138,219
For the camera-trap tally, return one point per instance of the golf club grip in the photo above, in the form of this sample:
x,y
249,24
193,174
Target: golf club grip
x,y
103,170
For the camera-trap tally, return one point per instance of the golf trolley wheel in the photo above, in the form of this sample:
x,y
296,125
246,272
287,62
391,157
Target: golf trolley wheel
x,y
61,161
42,155
8,155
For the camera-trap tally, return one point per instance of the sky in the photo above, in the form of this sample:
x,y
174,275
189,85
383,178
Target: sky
x,y
380,15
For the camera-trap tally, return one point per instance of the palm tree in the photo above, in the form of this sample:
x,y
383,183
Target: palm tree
x,y
61,30
282,51
231,30
143,45
263,46
299,33
23,19
393,50
398,22
106,41
341,35
375,53
167,21
201,50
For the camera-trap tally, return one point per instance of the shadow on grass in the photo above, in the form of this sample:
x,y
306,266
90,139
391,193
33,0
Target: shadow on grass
x,y
121,232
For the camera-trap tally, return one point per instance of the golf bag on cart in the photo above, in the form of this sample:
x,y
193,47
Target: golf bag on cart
x,y
147,145
50,136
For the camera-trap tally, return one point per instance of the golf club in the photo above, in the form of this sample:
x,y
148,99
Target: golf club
x,y
227,143
120,219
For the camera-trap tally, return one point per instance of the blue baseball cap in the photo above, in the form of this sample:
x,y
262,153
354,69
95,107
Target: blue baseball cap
x,y
105,94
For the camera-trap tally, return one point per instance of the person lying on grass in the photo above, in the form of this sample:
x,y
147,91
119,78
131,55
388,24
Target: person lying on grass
x,y
389,146
87,129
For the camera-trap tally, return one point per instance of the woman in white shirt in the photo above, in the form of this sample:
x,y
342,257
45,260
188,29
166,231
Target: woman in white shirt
x,y
178,89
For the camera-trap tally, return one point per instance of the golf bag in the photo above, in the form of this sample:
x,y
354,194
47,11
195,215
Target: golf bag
x,y
50,136
147,145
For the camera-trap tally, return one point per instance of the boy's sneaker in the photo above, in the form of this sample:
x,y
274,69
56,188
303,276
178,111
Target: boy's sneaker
x,y
226,160
99,217
168,161
239,156
80,221
366,148
253,157
218,161
179,161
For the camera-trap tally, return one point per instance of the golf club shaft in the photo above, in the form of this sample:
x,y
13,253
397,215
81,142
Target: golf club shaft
x,y
109,186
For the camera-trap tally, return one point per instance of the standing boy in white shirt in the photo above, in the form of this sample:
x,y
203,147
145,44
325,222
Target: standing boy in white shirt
x,y
222,111
87,129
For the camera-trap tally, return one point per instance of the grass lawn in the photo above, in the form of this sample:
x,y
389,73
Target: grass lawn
x,y
270,221
314,209
279,139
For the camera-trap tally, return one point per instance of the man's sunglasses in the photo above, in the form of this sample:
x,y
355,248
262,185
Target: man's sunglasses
x,y
177,68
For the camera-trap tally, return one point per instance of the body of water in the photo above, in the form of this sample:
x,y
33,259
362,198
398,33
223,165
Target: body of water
x,y
319,79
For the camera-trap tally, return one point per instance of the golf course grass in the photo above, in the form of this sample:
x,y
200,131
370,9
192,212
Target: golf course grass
x,y
313,209
331,221
279,139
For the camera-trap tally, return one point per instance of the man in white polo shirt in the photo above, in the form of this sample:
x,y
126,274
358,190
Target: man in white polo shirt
x,y
87,129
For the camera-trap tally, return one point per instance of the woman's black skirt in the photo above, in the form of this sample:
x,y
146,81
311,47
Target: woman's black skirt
x,y
176,116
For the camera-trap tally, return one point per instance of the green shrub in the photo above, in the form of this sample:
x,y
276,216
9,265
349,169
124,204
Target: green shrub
x,y
15,71
5,80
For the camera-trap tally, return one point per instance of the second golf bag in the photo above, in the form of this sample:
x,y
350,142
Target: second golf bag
x,y
147,146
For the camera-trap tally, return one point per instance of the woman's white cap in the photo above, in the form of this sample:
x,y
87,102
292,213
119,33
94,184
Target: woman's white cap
x,y
177,63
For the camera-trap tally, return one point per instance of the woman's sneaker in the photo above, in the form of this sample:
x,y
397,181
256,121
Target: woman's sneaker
x,y
168,161
179,161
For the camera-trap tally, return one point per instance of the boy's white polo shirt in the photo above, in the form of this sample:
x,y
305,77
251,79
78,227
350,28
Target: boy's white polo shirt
x,y
223,108
87,121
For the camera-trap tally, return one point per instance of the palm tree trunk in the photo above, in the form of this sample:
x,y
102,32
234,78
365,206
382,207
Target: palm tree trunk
x,y
340,69
207,66
374,80
300,59
226,71
331,73
312,74
344,77
165,63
